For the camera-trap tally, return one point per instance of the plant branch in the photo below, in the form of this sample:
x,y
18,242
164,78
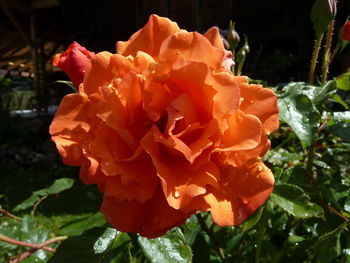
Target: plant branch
x,y
35,207
310,159
324,123
334,211
23,244
327,50
315,53
39,246
8,214
205,228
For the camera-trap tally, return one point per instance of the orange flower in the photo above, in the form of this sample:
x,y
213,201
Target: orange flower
x,y
165,130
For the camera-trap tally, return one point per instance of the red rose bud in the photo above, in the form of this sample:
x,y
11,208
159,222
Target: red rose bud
x,y
73,62
346,31
322,13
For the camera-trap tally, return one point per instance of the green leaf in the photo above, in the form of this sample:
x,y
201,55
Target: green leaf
x,y
170,248
281,156
295,239
105,240
338,99
77,228
58,186
295,201
119,250
68,83
341,129
328,245
79,249
343,81
191,230
295,175
252,220
339,116
299,112
30,230
31,200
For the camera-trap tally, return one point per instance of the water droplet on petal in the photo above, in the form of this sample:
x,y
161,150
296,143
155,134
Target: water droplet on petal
x,y
251,101
177,194
260,168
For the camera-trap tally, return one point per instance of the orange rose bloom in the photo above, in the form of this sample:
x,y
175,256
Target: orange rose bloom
x,y
166,130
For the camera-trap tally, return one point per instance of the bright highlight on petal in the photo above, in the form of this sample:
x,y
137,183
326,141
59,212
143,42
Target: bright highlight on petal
x,y
165,130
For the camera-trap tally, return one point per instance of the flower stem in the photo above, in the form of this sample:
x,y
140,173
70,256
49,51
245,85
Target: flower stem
x,y
23,244
239,67
261,232
314,58
205,228
310,159
8,214
39,246
327,51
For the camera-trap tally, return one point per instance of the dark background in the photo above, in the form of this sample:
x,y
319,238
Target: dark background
x,y
280,31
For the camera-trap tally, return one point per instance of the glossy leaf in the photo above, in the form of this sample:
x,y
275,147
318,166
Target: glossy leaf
x,y
105,240
341,116
343,81
170,248
328,245
30,230
295,201
341,129
191,230
79,249
77,228
299,112
58,186
252,220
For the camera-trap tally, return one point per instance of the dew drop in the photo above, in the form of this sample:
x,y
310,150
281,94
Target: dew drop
x,y
99,243
251,101
305,119
107,163
178,52
260,168
177,194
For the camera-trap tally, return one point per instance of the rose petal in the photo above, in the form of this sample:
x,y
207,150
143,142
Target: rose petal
x,y
190,46
213,35
246,189
261,102
70,127
137,180
234,139
179,181
149,38
151,219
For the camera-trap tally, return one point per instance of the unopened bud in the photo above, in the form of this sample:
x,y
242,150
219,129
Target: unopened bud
x,y
322,13
232,36
346,31
241,54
